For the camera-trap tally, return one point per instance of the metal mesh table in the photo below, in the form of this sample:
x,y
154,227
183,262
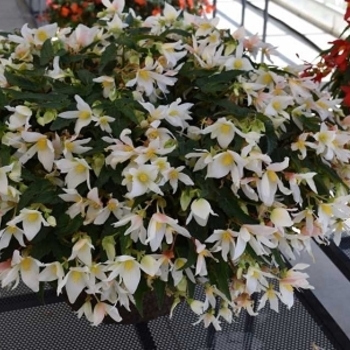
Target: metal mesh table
x,y
27,324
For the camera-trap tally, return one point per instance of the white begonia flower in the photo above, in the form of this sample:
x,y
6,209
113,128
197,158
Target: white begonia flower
x,y
149,265
169,51
42,147
20,118
197,306
53,271
56,72
43,33
277,106
108,84
176,113
114,6
200,211
177,272
255,278
294,183
77,171
228,162
137,229
223,130
238,62
123,149
82,36
143,180
29,269
151,151
146,79
31,220
86,310
74,282
258,236
161,225
103,122
82,250
72,145
225,241
83,114
201,265
114,207
271,296
79,205
154,132
174,175
281,218
7,233
205,25
4,182
268,184
293,278
102,309
94,206
205,158
208,319
128,269
155,113
116,25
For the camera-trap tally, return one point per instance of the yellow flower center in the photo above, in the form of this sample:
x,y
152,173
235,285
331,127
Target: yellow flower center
x,y
173,175
107,84
227,159
238,64
143,177
103,121
42,35
153,134
322,104
129,265
112,206
144,75
84,115
69,146
76,276
225,128
226,237
327,209
277,105
323,137
42,144
32,217
127,148
266,79
272,176
80,168
173,113
26,264
11,229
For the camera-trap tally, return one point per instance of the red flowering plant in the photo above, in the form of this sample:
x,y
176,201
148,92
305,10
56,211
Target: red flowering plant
x,y
334,66
72,12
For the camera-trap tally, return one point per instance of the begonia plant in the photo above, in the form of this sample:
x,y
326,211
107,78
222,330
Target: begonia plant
x,y
159,155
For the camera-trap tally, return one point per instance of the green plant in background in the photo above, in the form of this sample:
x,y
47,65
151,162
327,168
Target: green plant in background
x,y
159,155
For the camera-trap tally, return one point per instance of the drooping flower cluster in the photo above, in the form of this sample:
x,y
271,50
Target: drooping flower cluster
x,y
158,155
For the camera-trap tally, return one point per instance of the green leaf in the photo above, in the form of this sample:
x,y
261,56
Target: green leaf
x,y
219,276
3,100
159,288
139,295
23,82
85,76
46,53
61,123
108,55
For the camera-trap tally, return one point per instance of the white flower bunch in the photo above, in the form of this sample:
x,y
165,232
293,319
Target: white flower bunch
x,y
158,155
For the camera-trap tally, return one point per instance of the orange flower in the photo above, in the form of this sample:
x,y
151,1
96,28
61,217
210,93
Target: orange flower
x,y
190,4
182,4
65,11
140,2
156,11
75,8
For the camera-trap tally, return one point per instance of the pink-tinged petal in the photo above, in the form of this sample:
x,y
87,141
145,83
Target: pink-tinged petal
x,y
99,313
